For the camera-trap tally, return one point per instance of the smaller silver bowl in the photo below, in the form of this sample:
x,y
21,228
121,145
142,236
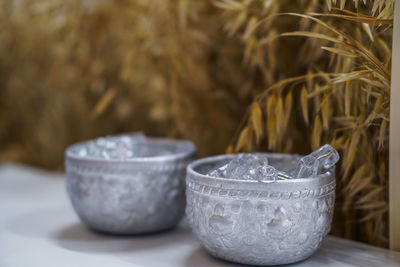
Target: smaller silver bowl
x,y
259,223
129,196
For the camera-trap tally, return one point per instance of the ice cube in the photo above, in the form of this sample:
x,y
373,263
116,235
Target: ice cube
x,y
100,141
123,150
82,152
306,167
327,157
92,150
219,173
115,147
313,164
245,166
266,174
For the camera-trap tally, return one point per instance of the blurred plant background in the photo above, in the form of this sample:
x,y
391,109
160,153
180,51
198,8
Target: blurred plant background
x,y
248,75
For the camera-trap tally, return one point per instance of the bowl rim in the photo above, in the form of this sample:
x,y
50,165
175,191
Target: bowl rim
x,y
190,150
191,172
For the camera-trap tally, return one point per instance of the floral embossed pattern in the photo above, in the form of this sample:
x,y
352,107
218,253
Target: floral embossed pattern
x,y
135,203
266,226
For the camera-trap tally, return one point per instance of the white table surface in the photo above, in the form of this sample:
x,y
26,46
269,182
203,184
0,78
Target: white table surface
x,y
39,228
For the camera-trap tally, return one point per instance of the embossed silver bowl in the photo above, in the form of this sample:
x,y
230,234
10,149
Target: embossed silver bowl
x,y
258,223
129,196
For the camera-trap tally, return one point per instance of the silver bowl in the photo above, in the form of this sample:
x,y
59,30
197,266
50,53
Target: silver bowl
x,y
259,223
129,196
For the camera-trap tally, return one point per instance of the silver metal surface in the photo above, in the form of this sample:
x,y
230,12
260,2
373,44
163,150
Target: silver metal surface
x,y
130,196
259,223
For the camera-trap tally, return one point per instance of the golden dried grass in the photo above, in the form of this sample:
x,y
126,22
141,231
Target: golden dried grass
x,y
344,93
72,70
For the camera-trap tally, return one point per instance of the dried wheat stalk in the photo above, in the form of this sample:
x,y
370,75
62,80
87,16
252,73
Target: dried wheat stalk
x,y
342,98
